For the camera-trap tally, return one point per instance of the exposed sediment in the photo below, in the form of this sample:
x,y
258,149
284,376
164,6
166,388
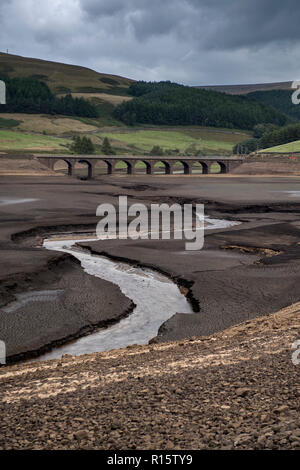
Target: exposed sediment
x,y
227,286
83,305
237,389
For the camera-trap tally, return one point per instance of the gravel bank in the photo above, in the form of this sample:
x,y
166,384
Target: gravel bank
x,y
234,390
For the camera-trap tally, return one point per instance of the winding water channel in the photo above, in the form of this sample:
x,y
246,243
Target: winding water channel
x,y
156,297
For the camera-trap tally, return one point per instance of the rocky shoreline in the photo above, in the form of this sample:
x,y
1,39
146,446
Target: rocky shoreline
x,y
237,389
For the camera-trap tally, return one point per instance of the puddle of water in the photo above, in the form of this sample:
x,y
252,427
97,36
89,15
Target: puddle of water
x,y
213,224
293,193
290,193
7,201
28,297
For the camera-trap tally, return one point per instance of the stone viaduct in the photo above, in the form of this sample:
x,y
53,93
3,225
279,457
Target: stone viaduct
x,y
226,164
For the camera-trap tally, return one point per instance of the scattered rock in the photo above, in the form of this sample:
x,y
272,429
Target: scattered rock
x,y
243,392
153,340
281,409
80,435
242,439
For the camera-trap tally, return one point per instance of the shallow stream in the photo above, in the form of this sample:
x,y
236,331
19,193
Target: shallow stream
x,y
157,299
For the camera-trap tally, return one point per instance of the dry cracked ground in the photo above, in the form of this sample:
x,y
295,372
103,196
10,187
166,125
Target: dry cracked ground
x,y
238,389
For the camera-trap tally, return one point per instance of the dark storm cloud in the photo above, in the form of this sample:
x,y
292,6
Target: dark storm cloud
x,y
219,23
192,41
250,23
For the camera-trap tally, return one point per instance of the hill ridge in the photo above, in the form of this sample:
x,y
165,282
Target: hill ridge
x,y
243,89
60,76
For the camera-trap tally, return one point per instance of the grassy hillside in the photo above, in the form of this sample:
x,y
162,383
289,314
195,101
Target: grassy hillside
x,y
38,132
103,90
245,89
179,140
47,124
11,140
285,148
63,78
105,97
208,141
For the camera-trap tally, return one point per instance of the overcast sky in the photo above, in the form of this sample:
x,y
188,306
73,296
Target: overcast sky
x,y
189,41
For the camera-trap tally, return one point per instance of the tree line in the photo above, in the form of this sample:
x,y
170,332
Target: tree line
x,y
279,99
166,103
84,145
32,96
266,136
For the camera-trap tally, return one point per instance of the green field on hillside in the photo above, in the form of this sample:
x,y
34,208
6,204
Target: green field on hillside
x,y
125,141
285,148
208,141
10,140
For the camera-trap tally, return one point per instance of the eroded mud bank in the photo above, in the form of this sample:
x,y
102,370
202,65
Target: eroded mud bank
x,y
33,320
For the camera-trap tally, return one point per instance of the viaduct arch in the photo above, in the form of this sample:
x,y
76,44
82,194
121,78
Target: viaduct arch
x,y
131,165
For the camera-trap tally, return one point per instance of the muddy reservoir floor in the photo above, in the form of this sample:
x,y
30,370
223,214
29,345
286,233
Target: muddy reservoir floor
x,y
227,284
236,389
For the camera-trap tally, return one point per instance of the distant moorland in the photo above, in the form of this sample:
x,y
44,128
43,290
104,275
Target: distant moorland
x,y
62,78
